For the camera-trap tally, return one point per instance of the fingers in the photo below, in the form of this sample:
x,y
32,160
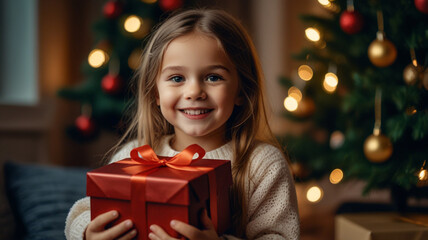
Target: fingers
x,y
118,230
158,233
102,220
186,230
129,235
96,228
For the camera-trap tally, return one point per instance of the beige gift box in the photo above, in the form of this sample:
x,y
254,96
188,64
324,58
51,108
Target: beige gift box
x,y
380,226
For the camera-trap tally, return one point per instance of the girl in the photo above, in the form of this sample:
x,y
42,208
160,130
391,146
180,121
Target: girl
x,y
200,82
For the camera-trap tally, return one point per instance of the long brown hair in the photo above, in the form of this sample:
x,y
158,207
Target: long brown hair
x,y
248,123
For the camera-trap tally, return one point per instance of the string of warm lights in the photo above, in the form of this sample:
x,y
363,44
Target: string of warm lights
x,y
134,25
315,193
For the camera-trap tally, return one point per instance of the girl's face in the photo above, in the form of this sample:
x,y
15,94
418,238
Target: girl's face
x,y
197,88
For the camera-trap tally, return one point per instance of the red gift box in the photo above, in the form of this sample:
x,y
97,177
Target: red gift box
x,y
149,190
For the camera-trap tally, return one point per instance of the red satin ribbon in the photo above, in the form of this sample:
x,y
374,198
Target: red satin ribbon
x,y
184,158
147,157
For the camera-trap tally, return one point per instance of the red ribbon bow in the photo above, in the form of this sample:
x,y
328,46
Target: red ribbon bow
x,y
146,156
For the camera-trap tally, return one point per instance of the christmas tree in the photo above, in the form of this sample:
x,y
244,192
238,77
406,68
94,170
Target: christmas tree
x,y
363,87
118,42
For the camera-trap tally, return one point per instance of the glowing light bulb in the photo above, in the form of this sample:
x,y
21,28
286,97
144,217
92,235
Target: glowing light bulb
x,y
330,82
324,2
97,58
133,23
305,72
295,93
314,194
290,104
423,175
336,176
313,34
328,88
331,79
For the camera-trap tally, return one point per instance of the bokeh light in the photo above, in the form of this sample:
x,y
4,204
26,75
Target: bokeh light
x,y
337,138
331,79
290,104
313,34
305,72
314,194
330,82
97,58
324,2
295,93
423,175
132,23
336,176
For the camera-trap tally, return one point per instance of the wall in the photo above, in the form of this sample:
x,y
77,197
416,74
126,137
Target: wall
x,y
37,133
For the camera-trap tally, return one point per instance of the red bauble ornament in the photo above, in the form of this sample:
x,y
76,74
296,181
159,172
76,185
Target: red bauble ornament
x,y
85,125
169,5
112,9
422,6
351,22
111,84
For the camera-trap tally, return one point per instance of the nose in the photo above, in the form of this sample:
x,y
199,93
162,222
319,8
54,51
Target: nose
x,y
195,90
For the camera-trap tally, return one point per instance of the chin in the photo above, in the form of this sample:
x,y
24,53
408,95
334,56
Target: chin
x,y
197,134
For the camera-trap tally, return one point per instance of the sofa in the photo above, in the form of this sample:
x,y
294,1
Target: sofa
x,y
35,199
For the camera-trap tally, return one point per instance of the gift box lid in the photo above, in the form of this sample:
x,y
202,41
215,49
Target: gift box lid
x,y
162,184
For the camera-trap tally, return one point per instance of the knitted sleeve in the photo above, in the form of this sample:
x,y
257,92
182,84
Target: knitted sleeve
x,y
78,219
272,203
124,151
79,215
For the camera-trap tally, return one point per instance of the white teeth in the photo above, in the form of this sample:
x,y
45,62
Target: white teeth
x,y
195,112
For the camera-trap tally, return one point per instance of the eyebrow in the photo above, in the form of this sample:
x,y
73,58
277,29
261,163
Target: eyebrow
x,y
211,67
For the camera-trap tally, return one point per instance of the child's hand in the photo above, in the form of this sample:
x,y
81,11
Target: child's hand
x,y
96,228
186,230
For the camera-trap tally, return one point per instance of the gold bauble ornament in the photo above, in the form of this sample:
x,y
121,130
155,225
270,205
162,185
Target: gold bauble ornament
x,y
382,52
377,148
412,74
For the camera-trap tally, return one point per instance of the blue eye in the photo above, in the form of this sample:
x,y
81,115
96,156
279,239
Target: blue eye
x,y
176,79
214,78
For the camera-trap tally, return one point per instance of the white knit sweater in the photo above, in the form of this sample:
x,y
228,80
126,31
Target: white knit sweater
x,y
272,205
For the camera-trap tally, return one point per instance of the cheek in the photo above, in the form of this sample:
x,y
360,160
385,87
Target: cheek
x,y
227,99
166,98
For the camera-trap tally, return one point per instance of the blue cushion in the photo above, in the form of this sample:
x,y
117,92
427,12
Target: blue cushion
x,y
41,197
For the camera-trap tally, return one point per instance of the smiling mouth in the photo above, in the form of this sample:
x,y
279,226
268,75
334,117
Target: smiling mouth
x,y
195,112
